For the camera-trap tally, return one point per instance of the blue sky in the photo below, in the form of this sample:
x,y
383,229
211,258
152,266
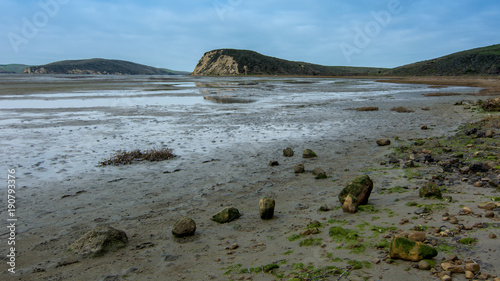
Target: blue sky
x,y
175,34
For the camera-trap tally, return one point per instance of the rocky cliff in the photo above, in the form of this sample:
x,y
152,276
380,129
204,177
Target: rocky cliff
x,y
97,67
229,62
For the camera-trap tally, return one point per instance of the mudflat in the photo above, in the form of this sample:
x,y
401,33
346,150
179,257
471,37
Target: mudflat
x,y
226,132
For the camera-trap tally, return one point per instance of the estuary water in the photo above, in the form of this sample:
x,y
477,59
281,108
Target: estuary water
x,y
54,127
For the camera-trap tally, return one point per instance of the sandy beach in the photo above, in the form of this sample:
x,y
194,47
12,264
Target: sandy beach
x,y
224,151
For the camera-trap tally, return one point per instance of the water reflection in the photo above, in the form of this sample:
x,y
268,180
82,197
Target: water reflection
x,y
227,99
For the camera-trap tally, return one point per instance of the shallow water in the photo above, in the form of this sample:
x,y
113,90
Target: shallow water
x,y
54,127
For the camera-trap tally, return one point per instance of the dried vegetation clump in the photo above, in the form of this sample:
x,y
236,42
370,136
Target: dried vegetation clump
x,y
368,108
126,157
402,109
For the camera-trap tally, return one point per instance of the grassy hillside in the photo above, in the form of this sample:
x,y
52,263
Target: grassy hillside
x,y
480,61
97,66
253,63
12,68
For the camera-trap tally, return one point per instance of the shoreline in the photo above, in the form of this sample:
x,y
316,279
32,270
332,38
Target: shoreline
x,y
134,199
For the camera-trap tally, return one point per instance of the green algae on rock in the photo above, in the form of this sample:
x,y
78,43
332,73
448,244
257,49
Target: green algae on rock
x,y
430,190
405,249
308,153
361,188
266,208
226,215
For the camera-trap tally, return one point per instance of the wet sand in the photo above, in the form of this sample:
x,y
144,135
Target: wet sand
x,y
146,199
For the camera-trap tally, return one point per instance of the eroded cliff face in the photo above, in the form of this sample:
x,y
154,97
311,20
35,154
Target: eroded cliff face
x,y
217,63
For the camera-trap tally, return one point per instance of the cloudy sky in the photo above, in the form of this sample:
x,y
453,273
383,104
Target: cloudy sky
x,y
175,34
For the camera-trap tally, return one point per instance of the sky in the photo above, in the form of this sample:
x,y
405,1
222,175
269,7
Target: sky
x,y
175,34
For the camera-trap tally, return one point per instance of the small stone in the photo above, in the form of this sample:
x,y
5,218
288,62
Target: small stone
x,y
325,208
184,227
424,127
266,208
424,265
478,184
235,246
469,274
464,170
319,173
456,269
288,152
418,236
446,278
376,261
274,163
483,276
473,267
487,206
489,134
299,169
467,210
489,214
308,153
383,142
453,220
493,236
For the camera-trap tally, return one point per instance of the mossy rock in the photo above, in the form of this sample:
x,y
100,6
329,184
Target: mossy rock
x,y
266,208
430,190
288,152
360,188
405,249
308,153
226,215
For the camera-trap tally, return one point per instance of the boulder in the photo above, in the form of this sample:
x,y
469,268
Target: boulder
x,y
383,142
266,208
226,215
184,227
288,152
319,173
99,241
360,188
406,249
430,190
309,154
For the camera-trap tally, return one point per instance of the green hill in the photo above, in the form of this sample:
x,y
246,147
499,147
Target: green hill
x,y
98,67
244,62
12,68
480,61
